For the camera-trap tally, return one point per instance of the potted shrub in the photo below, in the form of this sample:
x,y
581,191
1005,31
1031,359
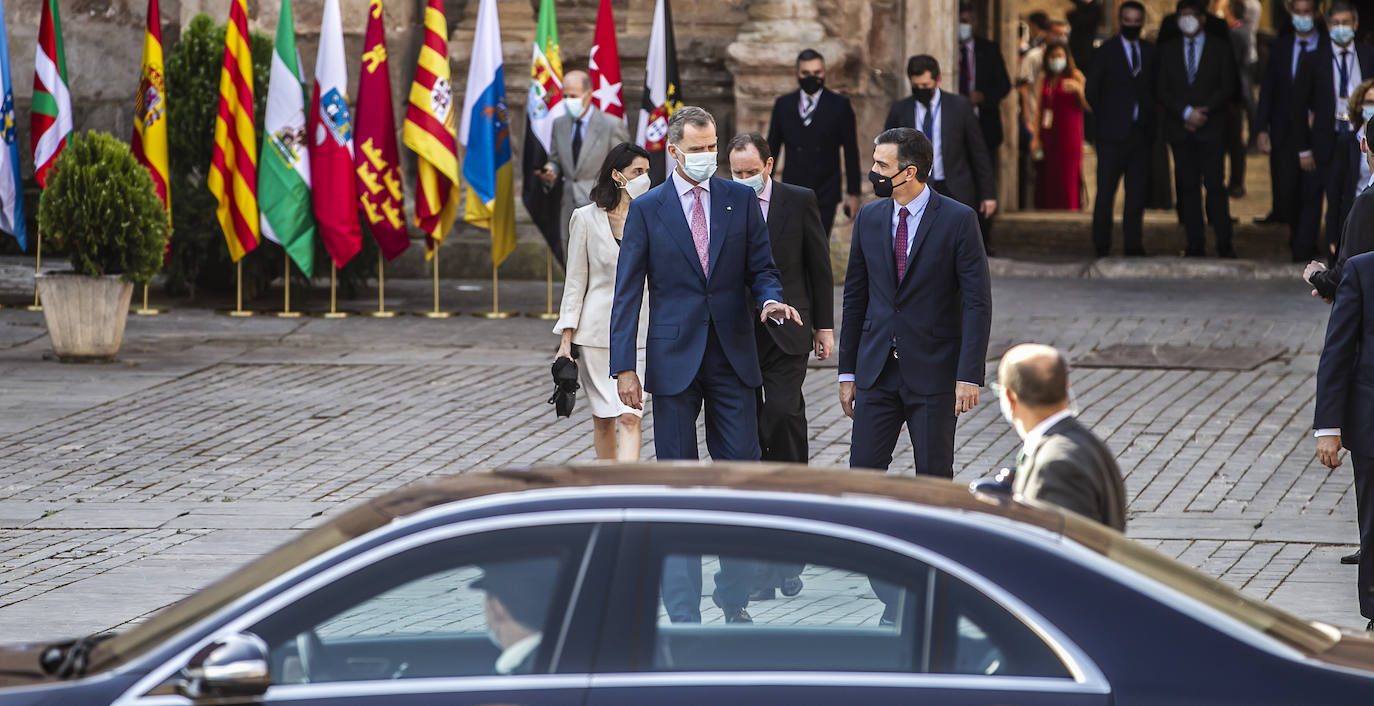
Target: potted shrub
x,y
99,209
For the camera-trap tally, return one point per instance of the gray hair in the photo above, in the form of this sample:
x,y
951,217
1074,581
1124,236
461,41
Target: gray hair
x,y
684,116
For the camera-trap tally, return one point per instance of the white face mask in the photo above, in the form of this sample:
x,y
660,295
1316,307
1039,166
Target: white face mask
x,y
1057,64
1188,24
965,31
635,187
754,182
698,166
1004,403
574,106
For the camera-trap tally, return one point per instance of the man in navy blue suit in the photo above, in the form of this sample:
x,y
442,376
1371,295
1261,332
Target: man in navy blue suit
x,y
1345,406
702,243
917,312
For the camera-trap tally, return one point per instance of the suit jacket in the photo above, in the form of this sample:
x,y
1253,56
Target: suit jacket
x,y
1275,111
683,302
940,313
1357,238
1314,99
1212,87
1345,373
589,281
989,78
602,133
968,169
1113,91
812,152
801,250
1073,469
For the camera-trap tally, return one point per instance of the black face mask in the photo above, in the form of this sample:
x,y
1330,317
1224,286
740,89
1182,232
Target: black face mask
x,y
1130,32
810,84
923,94
882,185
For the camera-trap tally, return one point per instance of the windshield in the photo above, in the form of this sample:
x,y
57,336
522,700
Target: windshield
x,y
188,611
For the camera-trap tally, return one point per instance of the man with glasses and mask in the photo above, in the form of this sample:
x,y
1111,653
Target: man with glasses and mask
x,y
1060,460
917,312
702,244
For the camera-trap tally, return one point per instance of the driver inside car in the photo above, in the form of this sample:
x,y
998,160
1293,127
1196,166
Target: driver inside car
x,y
517,603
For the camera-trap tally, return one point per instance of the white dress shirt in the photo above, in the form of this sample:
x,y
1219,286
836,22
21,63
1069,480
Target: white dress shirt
x,y
1037,433
1199,42
937,173
514,655
972,59
684,195
1353,79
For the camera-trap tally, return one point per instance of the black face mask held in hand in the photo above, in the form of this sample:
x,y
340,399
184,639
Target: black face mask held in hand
x,y
810,84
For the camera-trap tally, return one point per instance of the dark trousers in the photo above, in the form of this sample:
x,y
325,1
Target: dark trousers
x,y
1340,175
1129,158
881,410
1199,163
1235,145
1302,230
1283,178
782,426
731,434
1364,510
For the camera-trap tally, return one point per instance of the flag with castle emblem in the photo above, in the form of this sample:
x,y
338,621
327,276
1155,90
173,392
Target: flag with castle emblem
x,y
485,133
284,175
51,119
429,132
377,162
661,94
11,191
330,131
233,177
150,108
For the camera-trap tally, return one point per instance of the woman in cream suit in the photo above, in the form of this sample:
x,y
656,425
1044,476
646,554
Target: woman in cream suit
x,y
594,233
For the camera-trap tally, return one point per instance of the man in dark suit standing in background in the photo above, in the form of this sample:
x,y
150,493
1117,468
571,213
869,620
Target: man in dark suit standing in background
x,y
1357,239
1121,84
1345,410
1323,134
801,251
917,312
1197,76
1061,461
808,130
962,170
1274,121
983,80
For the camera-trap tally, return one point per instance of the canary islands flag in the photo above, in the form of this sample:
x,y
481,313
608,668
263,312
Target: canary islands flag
x,y
489,195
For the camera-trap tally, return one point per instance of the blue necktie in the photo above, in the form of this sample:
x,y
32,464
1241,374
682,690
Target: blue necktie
x,y
928,124
1192,60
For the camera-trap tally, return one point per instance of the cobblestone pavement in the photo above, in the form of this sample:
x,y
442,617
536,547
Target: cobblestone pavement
x,y
128,485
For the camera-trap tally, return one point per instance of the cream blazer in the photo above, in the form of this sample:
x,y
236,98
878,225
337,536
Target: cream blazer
x,y
589,282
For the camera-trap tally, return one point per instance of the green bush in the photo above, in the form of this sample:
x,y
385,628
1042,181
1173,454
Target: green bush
x,y
101,210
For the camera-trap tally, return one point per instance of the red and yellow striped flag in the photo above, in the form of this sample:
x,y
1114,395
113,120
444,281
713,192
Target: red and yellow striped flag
x,y
150,109
429,131
233,175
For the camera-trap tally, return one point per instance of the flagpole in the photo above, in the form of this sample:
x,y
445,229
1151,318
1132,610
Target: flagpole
x,y
286,312
238,294
548,314
37,266
495,312
381,312
436,313
333,312
146,310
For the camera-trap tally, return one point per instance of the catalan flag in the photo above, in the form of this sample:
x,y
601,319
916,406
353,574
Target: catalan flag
x,y
233,177
429,132
51,120
485,133
150,108
376,161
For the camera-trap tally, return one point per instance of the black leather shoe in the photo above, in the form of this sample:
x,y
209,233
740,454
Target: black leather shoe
x,y
762,594
791,586
1269,219
733,614
1351,558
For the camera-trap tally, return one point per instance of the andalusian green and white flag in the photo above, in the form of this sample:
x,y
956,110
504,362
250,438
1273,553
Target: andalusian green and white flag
x,y
284,168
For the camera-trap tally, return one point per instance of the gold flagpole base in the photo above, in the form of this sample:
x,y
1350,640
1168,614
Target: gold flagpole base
x,y
494,314
34,307
333,315
379,314
435,314
147,312
288,315
239,313
542,315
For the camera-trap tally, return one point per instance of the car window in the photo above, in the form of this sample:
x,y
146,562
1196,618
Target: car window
x,y
476,605
745,599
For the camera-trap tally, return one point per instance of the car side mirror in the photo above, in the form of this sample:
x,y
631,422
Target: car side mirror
x,y
233,666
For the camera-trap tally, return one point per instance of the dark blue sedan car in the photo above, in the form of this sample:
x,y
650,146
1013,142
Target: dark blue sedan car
x,y
657,584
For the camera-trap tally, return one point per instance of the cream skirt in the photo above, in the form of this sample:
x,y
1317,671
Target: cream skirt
x,y
599,388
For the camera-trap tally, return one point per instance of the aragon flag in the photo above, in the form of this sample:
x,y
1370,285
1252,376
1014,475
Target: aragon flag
x,y
284,175
51,120
150,109
429,132
11,191
485,132
661,94
330,131
233,177
542,202
604,65
377,161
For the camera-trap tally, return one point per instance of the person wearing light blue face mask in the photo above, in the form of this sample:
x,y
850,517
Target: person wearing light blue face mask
x,y
1275,124
1327,143
1357,236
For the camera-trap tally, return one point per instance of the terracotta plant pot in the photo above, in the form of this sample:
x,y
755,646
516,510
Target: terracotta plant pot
x,y
85,315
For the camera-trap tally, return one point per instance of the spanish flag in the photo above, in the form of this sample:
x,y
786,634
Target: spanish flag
x,y
428,131
485,135
233,177
150,108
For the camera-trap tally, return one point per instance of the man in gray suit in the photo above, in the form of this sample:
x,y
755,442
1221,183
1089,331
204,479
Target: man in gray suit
x,y
1061,461
581,139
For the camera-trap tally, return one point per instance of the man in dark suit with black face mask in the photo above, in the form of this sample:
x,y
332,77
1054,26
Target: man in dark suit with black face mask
x,y
808,130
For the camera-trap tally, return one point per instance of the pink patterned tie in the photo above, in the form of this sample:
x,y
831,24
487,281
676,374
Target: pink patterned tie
x,y
700,234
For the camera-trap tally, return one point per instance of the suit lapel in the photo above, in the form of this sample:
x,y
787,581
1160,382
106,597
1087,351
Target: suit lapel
x,y
721,213
778,214
922,230
880,235
679,230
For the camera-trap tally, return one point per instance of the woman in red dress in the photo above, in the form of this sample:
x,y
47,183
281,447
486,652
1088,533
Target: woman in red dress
x,y
1060,132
